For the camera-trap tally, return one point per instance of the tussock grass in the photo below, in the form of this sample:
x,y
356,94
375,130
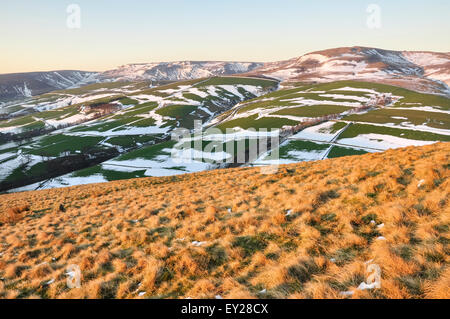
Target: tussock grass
x,y
306,231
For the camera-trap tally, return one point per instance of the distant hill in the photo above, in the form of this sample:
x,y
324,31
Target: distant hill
x,y
15,86
176,71
24,85
427,72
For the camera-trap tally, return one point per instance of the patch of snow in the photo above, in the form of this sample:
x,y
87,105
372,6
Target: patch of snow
x,y
435,109
364,286
63,181
318,132
347,88
381,141
198,243
50,282
421,182
346,97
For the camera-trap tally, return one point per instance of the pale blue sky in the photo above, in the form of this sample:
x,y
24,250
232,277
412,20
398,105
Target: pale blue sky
x,y
34,35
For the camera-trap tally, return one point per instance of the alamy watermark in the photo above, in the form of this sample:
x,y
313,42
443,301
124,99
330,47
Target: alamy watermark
x,y
73,20
374,16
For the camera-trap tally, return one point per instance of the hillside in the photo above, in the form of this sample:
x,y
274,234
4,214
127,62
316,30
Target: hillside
x,y
176,71
427,72
307,231
337,124
21,86
343,118
112,131
16,86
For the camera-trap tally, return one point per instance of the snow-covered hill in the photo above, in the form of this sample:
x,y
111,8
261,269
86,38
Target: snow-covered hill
x,y
435,65
23,85
427,72
176,71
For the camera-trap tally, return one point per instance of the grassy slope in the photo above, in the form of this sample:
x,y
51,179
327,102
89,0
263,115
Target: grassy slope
x,y
309,92
359,129
313,110
431,119
266,84
123,234
408,95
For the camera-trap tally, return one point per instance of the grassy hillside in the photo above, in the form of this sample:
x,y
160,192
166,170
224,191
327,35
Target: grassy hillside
x,y
312,101
410,119
308,231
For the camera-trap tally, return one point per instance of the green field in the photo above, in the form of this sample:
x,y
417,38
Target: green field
x,y
431,119
313,110
358,129
53,146
335,128
338,151
106,125
137,110
129,141
302,146
148,152
176,111
252,122
408,95
110,175
284,97
18,121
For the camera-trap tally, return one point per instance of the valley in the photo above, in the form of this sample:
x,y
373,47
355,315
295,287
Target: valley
x,y
123,128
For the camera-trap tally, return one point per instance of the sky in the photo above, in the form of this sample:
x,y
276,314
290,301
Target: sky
x,y
35,35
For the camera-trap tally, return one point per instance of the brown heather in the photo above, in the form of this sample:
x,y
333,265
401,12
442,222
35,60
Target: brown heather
x,y
305,232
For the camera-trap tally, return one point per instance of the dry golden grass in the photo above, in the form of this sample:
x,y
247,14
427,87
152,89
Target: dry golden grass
x,y
13,214
305,232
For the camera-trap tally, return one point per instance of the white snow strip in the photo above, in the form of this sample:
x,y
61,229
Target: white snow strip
x,y
380,141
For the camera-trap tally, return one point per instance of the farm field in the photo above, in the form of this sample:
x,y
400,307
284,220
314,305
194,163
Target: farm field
x,y
308,101
134,140
411,119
